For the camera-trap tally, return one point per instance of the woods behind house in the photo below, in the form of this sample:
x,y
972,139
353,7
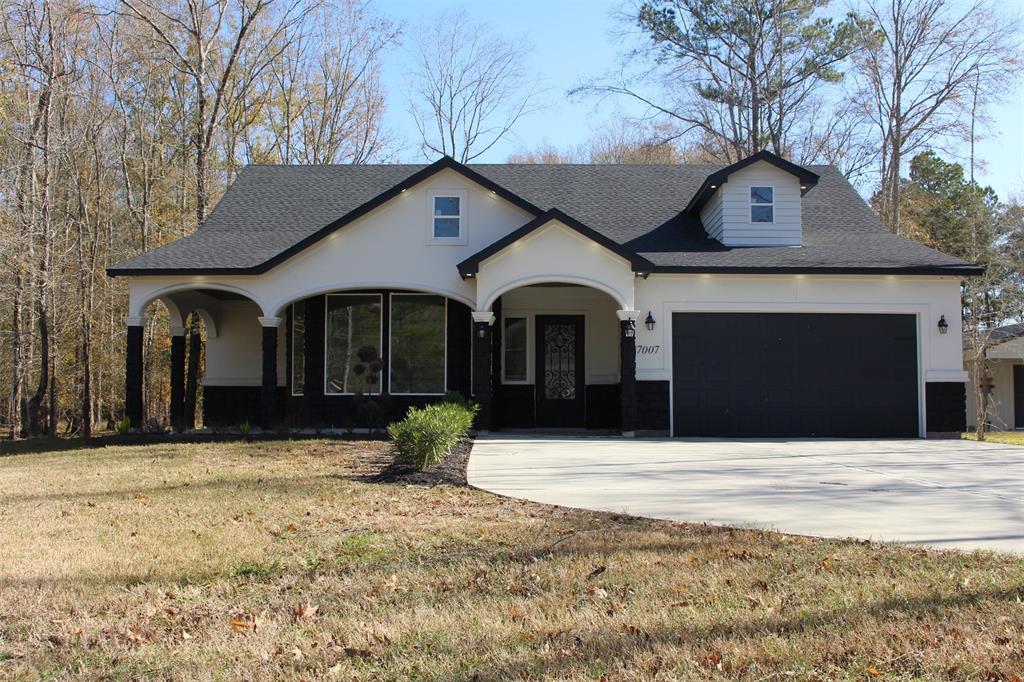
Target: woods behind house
x,y
123,121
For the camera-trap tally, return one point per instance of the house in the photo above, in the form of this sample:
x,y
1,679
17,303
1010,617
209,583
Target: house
x,y
757,299
1005,381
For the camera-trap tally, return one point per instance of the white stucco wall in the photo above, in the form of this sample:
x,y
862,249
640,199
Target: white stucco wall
x,y
555,253
731,220
235,356
601,333
388,247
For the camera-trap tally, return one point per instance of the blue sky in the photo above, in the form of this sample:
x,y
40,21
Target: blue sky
x,y
574,40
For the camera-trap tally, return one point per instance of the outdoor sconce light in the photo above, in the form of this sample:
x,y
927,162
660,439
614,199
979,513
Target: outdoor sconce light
x,y
629,329
481,331
649,322
943,325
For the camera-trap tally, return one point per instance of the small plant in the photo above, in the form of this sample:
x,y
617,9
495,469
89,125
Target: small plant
x,y
124,426
427,435
245,429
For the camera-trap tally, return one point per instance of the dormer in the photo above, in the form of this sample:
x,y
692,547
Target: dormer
x,y
754,202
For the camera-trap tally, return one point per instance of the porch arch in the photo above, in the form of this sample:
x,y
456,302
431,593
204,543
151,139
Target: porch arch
x,y
619,297
281,304
140,301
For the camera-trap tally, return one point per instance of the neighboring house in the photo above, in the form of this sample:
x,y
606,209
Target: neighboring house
x,y
758,299
1005,381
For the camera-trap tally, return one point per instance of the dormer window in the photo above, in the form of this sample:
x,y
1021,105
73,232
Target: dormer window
x,y
447,214
762,205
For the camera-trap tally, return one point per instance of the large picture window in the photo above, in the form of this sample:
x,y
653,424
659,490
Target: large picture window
x,y
417,343
353,360
298,348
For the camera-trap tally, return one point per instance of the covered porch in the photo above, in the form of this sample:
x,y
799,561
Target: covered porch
x,y
539,342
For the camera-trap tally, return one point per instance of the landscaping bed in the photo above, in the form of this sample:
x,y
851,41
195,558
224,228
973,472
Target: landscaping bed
x,y
285,560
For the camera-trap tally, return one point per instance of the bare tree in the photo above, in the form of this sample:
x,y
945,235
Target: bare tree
x,y
323,97
469,87
921,60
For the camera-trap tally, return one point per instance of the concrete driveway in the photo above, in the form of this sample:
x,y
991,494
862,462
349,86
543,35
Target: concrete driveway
x,y
944,493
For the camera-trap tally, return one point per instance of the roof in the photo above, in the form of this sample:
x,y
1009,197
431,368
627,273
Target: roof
x,y
471,265
807,178
998,335
271,212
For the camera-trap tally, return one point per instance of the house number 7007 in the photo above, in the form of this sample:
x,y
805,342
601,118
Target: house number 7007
x,y
647,350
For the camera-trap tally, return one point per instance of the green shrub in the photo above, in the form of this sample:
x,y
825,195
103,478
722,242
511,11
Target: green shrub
x,y
124,426
427,435
245,428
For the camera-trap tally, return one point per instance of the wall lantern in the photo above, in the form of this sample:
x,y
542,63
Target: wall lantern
x,y
649,322
629,329
943,325
481,331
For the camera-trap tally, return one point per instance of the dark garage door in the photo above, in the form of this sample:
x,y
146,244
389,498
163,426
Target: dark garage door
x,y
758,374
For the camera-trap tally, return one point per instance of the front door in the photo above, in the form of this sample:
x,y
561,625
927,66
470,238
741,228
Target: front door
x,y
560,371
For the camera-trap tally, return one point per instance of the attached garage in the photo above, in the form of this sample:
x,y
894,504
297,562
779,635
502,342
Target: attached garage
x,y
794,374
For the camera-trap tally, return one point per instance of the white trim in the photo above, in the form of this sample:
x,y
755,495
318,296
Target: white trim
x,y
624,315
355,287
291,335
751,205
134,320
193,285
270,321
391,336
947,375
619,298
177,331
486,317
462,196
380,333
920,311
528,318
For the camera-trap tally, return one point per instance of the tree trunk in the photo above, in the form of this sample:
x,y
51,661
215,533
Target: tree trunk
x,y
195,345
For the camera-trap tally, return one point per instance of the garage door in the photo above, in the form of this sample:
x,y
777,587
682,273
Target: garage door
x,y
756,374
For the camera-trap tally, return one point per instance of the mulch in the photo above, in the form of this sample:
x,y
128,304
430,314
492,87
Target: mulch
x,y
449,471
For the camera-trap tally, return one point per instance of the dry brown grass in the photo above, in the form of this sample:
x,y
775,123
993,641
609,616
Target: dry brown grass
x,y
278,560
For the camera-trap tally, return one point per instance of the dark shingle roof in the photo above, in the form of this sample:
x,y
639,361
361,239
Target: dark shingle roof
x,y
270,212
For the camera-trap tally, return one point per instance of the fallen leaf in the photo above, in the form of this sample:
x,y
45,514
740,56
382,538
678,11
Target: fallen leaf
x,y
304,612
597,571
873,672
239,624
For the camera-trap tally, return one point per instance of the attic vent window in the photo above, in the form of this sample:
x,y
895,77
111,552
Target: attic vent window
x,y
762,205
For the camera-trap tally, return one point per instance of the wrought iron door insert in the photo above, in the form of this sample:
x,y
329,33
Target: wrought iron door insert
x,y
560,371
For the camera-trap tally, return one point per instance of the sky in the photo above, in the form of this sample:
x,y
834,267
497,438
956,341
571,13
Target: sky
x,y
575,40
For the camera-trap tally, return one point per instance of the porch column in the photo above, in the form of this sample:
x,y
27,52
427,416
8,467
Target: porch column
x,y
482,365
269,389
627,369
133,371
177,378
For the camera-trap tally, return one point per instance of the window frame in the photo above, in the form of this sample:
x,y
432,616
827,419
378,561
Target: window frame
x,y
391,334
526,350
751,205
380,337
294,347
459,194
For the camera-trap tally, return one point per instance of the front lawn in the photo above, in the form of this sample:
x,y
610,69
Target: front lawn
x,y
281,559
1004,437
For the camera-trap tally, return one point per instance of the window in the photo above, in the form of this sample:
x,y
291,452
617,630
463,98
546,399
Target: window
x,y
353,331
417,343
762,205
447,212
513,342
298,347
